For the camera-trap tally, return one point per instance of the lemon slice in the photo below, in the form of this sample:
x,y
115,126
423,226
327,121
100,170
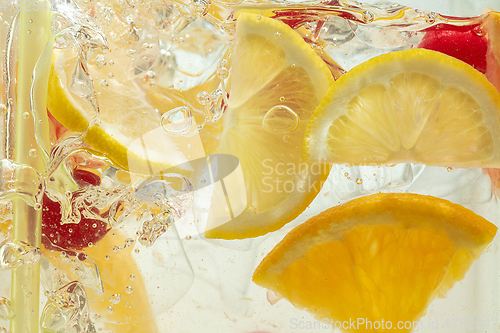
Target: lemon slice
x,y
128,129
277,80
415,106
379,257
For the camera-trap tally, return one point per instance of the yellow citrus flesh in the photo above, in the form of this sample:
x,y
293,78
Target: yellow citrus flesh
x,y
415,106
384,256
128,131
277,81
5,220
133,311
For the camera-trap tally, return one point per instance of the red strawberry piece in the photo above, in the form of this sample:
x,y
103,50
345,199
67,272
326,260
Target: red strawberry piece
x,y
85,177
463,45
71,236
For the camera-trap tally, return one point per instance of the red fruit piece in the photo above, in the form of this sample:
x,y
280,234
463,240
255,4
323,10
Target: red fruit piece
x,y
71,236
85,177
463,45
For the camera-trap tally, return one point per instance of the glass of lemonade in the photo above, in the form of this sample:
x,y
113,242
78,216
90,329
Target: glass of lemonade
x,y
164,163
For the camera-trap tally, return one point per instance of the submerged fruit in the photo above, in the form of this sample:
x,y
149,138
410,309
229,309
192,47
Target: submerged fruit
x,y
467,45
115,119
68,236
380,257
416,106
277,80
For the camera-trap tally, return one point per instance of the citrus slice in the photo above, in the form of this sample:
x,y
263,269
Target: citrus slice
x,y
124,305
277,80
380,257
414,105
127,130
124,288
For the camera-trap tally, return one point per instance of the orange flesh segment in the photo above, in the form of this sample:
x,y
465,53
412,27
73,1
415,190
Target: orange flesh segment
x,y
385,256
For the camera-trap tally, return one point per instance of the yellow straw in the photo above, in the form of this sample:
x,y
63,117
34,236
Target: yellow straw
x,y
34,33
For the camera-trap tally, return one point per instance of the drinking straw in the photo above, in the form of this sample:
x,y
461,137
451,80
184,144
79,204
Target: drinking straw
x,y
34,33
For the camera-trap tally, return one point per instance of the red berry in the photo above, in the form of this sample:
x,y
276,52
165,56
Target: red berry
x,y
69,236
85,177
463,45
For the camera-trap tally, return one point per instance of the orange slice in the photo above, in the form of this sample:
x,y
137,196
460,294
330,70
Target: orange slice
x,y
384,256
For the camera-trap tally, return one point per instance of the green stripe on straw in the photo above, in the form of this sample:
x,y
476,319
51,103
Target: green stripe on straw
x,y
34,33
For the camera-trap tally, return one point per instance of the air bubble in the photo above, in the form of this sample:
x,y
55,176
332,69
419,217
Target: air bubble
x,y
115,298
100,62
222,63
29,32
367,16
430,17
131,277
150,75
110,310
277,35
37,206
199,8
3,108
177,121
280,120
33,152
479,31
103,83
26,115
129,290
359,181
106,257
6,310
286,138
203,97
222,73
16,253
216,105
251,210
282,98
